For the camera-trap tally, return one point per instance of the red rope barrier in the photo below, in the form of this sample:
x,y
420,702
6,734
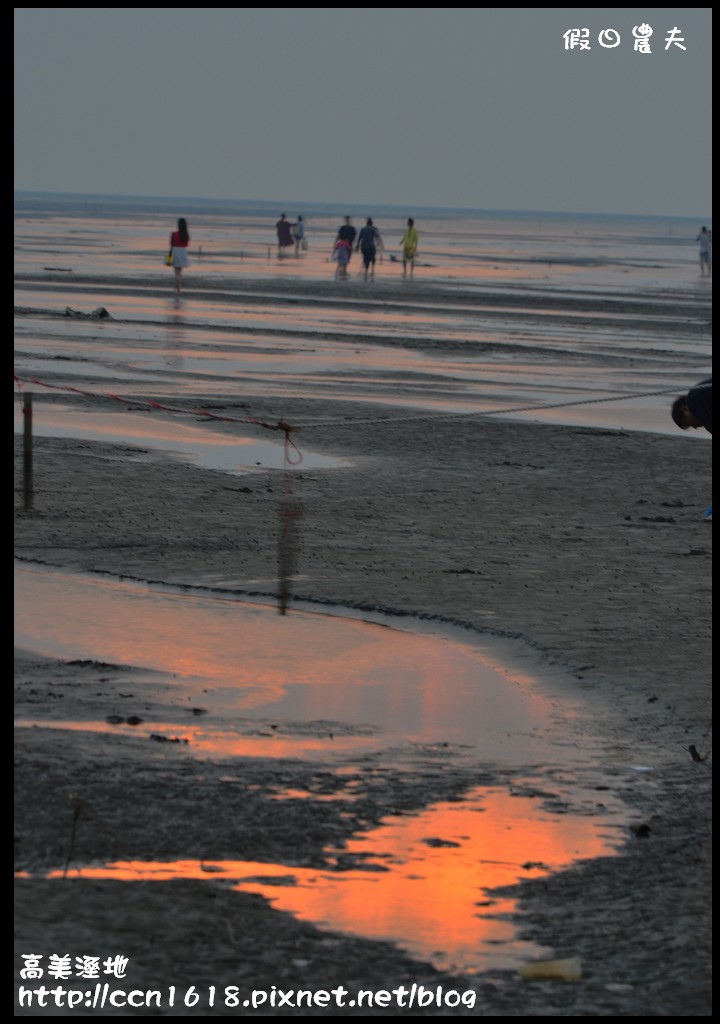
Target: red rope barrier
x,y
287,429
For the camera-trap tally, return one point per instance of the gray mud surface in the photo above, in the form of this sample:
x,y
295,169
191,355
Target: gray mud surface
x,y
585,546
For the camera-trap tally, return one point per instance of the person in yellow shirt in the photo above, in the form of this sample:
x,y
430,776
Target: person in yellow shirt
x,y
409,246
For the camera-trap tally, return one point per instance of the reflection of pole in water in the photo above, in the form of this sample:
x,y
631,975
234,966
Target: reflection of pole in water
x,y
27,452
290,512
288,537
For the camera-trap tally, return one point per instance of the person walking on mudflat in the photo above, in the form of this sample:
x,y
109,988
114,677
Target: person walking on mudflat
x,y
178,251
298,233
341,254
704,240
346,233
409,246
369,241
284,234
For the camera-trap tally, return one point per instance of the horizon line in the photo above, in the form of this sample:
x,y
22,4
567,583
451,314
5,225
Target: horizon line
x,y
335,206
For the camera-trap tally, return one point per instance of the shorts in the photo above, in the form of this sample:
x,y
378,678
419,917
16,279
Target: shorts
x,y
368,256
180,257
408,255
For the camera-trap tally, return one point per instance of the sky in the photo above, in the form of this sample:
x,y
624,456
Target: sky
x,y
483,108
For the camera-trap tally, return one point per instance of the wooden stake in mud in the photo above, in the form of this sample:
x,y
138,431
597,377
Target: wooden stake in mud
x,y
27,452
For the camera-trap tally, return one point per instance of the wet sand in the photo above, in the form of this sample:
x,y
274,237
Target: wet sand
x,y
585,546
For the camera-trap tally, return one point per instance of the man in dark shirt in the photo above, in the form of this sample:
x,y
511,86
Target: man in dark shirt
x,y
284,234
694,409
368,242
346,233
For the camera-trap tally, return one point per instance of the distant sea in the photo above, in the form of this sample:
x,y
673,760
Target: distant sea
x,y
70,202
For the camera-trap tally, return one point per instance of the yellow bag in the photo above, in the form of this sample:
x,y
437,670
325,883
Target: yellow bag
x,y
168,258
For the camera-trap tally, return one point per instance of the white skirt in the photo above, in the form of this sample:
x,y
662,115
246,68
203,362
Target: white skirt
x,y
180,256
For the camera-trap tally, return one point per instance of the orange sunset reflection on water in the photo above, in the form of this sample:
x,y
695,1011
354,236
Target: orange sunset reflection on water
x,y
421,880
325,679
335,689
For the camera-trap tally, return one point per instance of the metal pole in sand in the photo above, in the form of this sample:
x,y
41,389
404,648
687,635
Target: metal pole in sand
x,y
27,451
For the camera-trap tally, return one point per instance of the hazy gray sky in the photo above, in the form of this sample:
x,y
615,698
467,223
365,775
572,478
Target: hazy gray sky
x,y
478,107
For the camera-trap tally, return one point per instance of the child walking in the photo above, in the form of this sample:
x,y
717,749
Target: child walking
x,y
341,253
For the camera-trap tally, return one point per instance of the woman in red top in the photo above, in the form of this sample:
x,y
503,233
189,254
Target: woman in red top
x,y
178,245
